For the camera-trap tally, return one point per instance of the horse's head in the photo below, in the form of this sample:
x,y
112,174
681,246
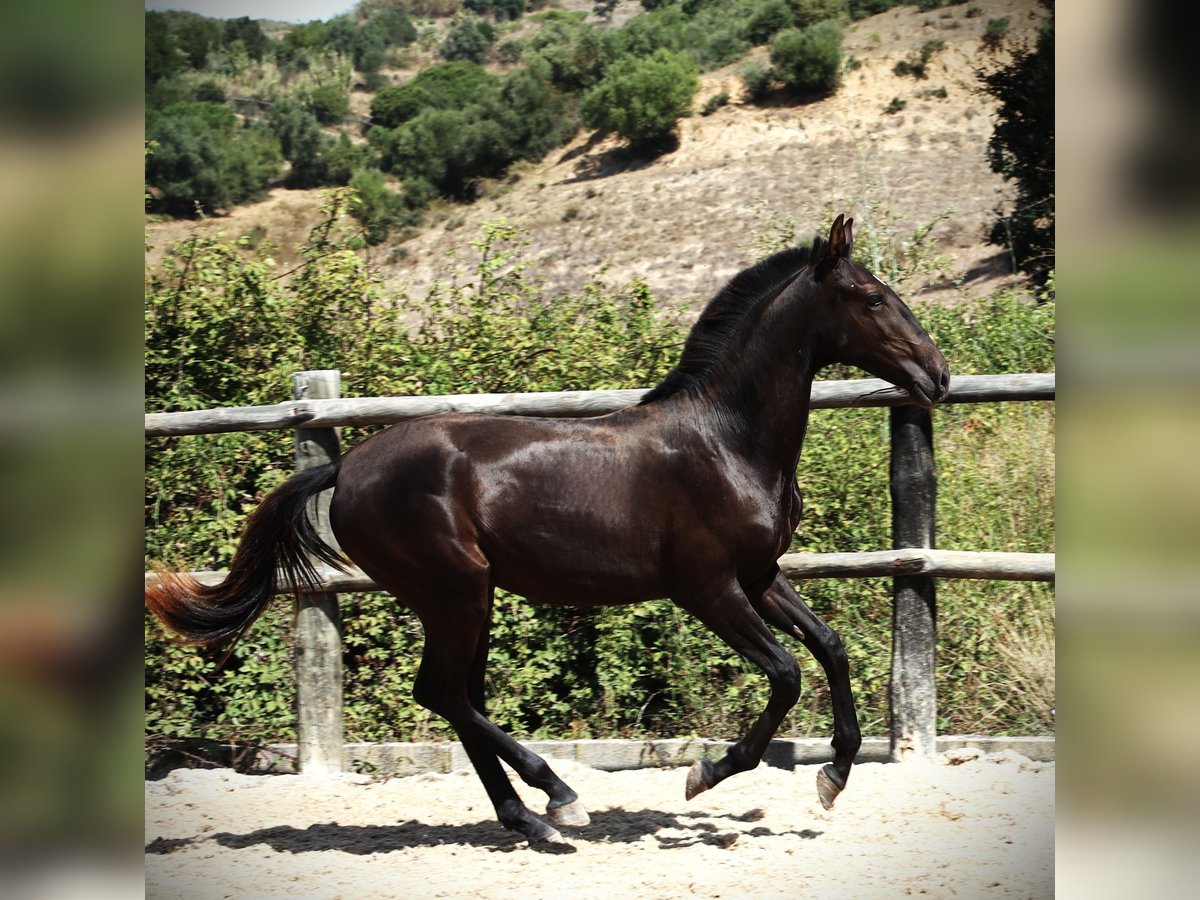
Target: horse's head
x,y
866,324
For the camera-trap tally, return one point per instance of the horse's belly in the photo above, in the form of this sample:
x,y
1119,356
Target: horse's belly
x,y
584,573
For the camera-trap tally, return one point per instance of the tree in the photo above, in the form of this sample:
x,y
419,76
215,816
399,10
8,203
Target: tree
x,y
642,99
398,103
162,55
375,207
809,59
767,20
301,142
468,39
197,36
250,33
1021,149
204,158
328,103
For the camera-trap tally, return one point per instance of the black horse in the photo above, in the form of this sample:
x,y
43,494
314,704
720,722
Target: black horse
x,y
690,494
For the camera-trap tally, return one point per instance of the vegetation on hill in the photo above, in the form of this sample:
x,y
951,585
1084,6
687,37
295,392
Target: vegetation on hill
x,y
491,89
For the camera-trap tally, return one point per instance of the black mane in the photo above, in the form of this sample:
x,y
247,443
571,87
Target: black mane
x,y
722,318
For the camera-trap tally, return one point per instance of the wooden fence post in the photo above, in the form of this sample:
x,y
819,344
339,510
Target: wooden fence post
x,y
913,689
318,629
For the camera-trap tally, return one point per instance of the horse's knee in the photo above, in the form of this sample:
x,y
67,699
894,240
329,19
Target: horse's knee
x,y
785,684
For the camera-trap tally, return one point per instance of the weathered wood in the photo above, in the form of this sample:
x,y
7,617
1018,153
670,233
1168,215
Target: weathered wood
x,y
912,561
330,413
318,629
799,567
913,484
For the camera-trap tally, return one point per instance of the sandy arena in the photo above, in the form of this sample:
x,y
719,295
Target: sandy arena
x,y
965,825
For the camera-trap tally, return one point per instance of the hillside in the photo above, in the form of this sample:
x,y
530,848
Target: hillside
x,y
685,222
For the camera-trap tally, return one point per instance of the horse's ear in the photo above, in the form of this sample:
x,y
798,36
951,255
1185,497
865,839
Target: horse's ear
x,y
840,241
841,238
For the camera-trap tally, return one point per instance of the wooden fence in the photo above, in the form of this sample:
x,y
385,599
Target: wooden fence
x,y
913,562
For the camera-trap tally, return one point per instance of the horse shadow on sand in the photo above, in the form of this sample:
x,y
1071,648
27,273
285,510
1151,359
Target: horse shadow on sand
x,y
614,826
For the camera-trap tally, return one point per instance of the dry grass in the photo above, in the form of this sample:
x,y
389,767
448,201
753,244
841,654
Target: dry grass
x,y
1027,652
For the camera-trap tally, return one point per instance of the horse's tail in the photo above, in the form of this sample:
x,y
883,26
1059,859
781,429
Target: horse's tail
x,y
279,542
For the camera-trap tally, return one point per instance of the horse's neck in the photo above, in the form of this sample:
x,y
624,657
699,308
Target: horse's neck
x,y
766,389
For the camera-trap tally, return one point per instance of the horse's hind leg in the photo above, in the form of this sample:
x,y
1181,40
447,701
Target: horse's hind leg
x,y
450,674
563,807
730,616
782,607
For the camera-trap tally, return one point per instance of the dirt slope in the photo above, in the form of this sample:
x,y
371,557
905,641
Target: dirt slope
x,y
685,221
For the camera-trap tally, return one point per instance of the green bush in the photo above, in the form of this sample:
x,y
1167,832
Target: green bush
x,y
202,157
571,56
917,63
375,206
715,102
329,103
302,142
809,59
757,79
994,32
642,99
767,19
398,103
468,39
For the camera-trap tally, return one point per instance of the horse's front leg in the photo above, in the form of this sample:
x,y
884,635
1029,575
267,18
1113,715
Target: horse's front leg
x,y
731,617
782,607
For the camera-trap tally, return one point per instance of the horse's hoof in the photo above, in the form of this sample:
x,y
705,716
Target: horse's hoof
x,y
827,788
699,778
569,815
550,841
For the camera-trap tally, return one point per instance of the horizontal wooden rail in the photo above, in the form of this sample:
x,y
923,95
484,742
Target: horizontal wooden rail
x,y
862,392
798,567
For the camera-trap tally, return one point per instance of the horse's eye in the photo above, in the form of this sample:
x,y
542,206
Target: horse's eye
x,y
874,300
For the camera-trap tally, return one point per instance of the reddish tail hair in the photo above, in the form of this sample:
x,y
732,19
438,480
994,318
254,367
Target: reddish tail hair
x,y
278,546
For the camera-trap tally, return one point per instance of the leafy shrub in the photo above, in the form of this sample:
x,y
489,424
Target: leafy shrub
x,y
302,142
809,59
757,79
209,91
810,12
715,102
498,9
767,19
249,34
329,103
468,39
398,103
994,32
374,205
203,157
448,149
642,99
571,56
342,159
917,63
454,85
861,9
